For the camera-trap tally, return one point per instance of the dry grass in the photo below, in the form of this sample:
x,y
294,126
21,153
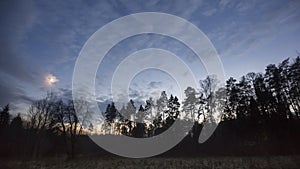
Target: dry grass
x,y
289,162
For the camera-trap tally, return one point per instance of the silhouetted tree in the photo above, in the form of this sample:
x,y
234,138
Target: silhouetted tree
x,y
173,110
73,128
162,104
16,135
189,105
130,112
246,91
140,115
149,108
272,78
77,116
150,113
16,123
208,87
4,118
110,113
263,96
140,127
123,121
232,99
40,113
294,81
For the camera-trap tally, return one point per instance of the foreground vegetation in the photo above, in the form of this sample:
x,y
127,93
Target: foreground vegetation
x,y
154,163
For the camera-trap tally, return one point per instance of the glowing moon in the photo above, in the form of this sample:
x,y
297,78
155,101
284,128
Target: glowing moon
x,y
50,79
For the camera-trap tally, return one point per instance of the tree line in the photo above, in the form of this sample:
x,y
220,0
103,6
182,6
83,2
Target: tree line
x,y
256,100
259,98
47,119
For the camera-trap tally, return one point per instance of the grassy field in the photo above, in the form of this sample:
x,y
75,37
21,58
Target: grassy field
x,y
286,162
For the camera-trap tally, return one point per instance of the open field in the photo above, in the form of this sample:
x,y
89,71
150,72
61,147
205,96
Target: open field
x,y
284,162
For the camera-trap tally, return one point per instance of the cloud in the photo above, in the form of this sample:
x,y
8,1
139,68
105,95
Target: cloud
x,y
17,69
224,3
154,85
12,93
242,34
245,5
45,35
14,25
210,12
65,93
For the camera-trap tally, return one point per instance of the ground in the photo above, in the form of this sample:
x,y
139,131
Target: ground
x,y
289,162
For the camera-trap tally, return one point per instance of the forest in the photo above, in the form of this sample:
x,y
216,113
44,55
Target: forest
x,y
259,116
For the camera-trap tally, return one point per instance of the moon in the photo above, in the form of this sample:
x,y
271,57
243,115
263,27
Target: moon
x,y
50,79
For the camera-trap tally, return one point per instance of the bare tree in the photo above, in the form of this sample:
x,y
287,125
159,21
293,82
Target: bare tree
x,y
77,118
208,88
39,114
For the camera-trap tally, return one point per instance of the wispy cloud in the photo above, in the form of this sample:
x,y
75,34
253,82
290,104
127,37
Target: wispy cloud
x,y
210,12
47,36
12,92
224,3
155,85
239,36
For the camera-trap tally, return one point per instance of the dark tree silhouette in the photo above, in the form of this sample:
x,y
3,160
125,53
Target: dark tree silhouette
x,y
130,111
4,118
189,105
162,104
40,113
173,110
139,131
294,81
16,123
110,113
232,99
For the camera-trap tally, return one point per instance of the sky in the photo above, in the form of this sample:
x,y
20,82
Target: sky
x,y
42,39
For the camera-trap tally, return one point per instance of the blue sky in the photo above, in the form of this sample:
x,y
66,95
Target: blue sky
x,y
45,37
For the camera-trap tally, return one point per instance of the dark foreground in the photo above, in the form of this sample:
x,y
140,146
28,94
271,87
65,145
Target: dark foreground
x,y
289,162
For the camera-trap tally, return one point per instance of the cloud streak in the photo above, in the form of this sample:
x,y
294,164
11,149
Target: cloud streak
x,y
46,36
